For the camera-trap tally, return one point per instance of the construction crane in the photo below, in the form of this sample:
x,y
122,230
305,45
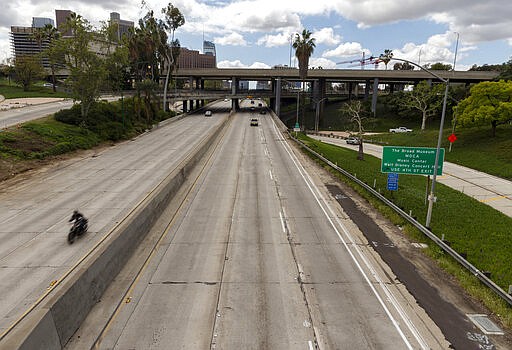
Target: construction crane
x,y
362,61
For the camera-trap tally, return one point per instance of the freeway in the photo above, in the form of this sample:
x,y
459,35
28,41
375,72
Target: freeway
x,y
105,185
260,256
491,190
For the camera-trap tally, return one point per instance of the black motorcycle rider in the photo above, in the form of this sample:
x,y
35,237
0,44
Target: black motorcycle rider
x,y
79,219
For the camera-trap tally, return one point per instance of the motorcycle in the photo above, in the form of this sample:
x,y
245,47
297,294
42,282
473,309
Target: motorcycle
x,y
79,228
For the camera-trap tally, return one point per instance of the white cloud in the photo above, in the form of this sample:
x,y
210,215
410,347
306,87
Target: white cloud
x,y
346,50
239,64
326,36
322,62
281,39
234,39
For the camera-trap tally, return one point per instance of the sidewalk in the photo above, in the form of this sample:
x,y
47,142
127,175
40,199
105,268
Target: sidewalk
x,y
488,189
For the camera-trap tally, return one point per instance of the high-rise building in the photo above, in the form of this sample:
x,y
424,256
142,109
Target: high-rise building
x,y
61,17
209,48
123,27
23,43
40,22
194,59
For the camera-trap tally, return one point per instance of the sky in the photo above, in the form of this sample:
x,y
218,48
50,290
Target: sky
x,y
257,33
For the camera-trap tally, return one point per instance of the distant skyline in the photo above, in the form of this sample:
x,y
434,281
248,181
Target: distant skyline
x,y
257,33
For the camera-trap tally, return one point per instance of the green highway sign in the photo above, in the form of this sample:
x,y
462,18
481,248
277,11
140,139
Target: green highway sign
x,y
411,160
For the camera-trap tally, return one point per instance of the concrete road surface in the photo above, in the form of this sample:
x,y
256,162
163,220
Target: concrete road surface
x,y
491,190
104,186
260,257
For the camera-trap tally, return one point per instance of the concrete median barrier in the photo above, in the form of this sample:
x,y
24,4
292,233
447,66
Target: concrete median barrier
x,y
52,323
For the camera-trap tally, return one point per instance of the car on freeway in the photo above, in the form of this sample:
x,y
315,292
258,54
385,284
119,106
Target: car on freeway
x,y
260,104
252,102
353,141
47,84
400,129
226,100
208,113
252,108
254,122
263,111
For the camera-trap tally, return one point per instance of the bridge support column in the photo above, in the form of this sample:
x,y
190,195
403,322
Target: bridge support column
x,y
350,88
235,105
277,106
375,95
366,90
185,106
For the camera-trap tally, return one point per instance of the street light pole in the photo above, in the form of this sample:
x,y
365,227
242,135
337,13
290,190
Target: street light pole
x,y
431,197
317,113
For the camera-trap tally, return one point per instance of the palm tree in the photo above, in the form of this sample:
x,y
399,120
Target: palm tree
x,y
304,46
51,34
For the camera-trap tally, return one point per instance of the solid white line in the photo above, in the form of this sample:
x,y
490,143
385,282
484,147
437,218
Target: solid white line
x,y
282,222
302,171
310,343
270,173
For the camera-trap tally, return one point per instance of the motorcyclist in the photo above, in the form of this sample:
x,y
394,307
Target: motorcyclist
x,y
78,218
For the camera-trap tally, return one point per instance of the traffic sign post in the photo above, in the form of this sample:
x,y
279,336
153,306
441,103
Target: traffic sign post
x,y
411,160
392,182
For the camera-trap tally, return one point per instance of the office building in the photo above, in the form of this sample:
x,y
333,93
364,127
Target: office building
x,y
40,22
123,28
209,48
193,59
23,44
61,17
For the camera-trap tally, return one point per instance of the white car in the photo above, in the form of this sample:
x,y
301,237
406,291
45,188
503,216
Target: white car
x,y
400,129
208,113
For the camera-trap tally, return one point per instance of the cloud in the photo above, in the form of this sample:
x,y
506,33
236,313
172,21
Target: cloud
x,y
322,62
239,64
326,36
281,39
346,50
234,39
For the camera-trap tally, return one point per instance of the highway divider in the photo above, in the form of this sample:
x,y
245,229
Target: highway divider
x,y
55,317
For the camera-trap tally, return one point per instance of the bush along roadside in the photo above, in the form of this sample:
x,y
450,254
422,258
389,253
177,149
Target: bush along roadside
x,y
472,228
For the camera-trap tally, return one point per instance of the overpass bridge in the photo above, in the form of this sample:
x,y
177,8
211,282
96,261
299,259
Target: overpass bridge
x,y
351,81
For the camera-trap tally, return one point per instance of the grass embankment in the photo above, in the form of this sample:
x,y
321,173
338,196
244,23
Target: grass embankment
x,y
14,90
471,227
474,147
25,147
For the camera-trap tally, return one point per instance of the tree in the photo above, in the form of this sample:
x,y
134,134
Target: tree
x,y
27,69
424,98
403,66
438,66
173,20
304,46
489,102
52,53
87,69
8,68
355,110
386,57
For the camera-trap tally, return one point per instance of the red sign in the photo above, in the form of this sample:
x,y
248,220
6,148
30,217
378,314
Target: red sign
x,y
452,138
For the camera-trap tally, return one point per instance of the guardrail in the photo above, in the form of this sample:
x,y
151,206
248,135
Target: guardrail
x,y
476,272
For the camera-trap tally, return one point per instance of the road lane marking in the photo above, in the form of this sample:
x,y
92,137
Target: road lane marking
x,y
311,347
310,184
270,173
283,226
